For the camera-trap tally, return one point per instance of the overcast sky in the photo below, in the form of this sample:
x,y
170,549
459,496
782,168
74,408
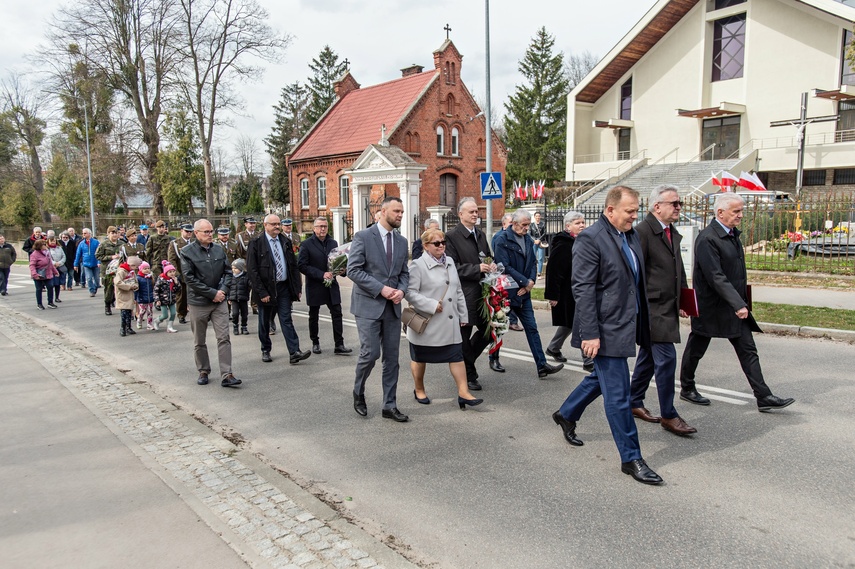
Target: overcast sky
x,y
379,37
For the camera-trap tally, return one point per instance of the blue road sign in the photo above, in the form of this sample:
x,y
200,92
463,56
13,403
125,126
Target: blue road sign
x,y
491,186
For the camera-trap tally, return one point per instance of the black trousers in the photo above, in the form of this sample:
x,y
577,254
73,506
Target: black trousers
x,y
337,326
240,311
746,351
474,344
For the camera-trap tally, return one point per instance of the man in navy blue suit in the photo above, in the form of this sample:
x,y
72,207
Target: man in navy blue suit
x,y
611,318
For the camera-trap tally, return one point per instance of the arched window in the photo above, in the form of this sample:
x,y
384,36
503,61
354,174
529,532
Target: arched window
x,y
440,140
453,73
449,104
304,193
344,190
447,73
322,192
455,142
482,149
417,144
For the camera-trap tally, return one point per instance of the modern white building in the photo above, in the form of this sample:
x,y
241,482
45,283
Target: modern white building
x,y
701,80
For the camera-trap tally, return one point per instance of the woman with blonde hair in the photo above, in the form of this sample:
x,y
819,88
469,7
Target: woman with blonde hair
x,y
434,290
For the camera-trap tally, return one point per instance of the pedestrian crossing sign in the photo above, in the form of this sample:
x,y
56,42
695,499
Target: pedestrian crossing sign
x,y
491,186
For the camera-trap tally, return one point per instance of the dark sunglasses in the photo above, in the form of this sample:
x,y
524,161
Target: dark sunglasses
x,y
677,203
437,243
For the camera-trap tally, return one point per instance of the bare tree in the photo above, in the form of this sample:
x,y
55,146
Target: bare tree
x,y
133,42
247,151
22,107
221,36
577,66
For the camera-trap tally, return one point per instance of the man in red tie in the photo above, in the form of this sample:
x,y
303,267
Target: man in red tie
x,y
663,266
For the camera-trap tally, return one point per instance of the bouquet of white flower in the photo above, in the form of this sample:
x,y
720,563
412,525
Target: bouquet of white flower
x,y
337,262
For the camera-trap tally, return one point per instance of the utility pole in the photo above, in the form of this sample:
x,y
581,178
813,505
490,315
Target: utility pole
x,y
488,120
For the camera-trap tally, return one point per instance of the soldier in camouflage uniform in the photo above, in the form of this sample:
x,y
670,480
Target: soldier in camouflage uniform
x,y
109,249
174,257
157,248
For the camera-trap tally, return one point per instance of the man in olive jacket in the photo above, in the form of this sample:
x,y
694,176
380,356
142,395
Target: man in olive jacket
x,y
208,277
720,281
157,248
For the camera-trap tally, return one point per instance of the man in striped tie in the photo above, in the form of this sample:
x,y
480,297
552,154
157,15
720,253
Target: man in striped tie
x,y
276,283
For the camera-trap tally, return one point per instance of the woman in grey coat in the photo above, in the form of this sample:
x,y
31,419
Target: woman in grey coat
x,y
434,290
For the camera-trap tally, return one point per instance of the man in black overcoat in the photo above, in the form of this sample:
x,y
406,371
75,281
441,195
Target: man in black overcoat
x,y
313,262
721,281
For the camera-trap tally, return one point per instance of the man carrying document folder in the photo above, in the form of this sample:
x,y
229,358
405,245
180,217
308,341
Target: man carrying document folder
x,y
666,297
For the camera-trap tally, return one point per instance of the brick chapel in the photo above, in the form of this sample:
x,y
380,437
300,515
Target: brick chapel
x,y
429,115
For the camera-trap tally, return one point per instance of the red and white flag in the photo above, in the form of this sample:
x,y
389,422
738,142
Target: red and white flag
x,y
729,179
525,191
717,181
758,182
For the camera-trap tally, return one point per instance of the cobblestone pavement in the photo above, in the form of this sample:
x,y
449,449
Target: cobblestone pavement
x,y
248,509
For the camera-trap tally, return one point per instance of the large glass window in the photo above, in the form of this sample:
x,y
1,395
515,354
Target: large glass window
x,y
440,140
304,193
847,72
344,190
728,48
626,100
322,192
624,141
455,142
845,122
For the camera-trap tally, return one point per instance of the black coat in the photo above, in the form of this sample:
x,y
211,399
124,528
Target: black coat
x,y
240,288
261,268
720,281
70,249
466,252
314,262
558,273
666,275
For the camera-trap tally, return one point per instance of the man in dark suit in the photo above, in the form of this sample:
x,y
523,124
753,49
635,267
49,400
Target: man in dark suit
x,y
276,283
665,276
313,262
720,281
611,318
377,267
514,249
467,245
418,248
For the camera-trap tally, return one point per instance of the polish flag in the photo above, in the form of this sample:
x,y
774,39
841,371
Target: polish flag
x,y
525,191
729,179
751,182
716,180
760,186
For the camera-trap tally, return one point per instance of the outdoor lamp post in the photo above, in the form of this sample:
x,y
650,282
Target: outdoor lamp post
x,y
88,164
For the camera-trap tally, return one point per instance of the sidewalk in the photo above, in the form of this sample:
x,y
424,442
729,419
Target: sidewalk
x,y
99,471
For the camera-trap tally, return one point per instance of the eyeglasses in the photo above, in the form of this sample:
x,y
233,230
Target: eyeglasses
x,y
205,231
677,203
437,243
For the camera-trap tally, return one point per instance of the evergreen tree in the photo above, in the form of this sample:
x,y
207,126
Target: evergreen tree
x,y
246,194
290,123
65,193
536,118
326,69
179,170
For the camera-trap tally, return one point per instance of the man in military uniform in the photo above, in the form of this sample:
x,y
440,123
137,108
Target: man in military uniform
x,y
244,237
133,248
230,245
287,225
108,250
157,248
174,258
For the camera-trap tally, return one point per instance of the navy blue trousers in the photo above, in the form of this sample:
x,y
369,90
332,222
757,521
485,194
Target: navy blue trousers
x,y
611,380
659,360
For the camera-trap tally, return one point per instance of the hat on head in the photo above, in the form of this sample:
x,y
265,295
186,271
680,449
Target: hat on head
x,y
239,264
145,265
287,221
143,226
186,227
160,223
112,229
249,219
167,266
130,232
223,230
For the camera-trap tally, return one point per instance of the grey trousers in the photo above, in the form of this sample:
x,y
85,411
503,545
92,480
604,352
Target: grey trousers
x,y
557,342
376,335
218,314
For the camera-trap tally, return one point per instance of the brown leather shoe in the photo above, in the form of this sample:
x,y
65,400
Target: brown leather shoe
x,y
677,426
643,414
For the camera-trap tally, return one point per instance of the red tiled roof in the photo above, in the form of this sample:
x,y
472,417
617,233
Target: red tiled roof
x,y
354,122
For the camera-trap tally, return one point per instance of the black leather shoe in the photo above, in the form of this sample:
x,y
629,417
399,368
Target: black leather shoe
x,y
569,428
496,366
473,385
556,355
265,357
588,366
395,415
230,381
273,328
182,320
203,379
549,370
639,470
131,331
694,397
359,405
765,404
342,351
316,348
297,357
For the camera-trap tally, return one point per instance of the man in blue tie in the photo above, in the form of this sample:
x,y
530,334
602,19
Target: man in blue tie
x,y
276,283
611,317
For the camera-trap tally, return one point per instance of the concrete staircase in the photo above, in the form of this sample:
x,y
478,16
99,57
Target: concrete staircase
x,y
684,175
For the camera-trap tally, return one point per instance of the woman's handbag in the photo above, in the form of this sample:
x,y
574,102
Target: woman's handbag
x,y
411,319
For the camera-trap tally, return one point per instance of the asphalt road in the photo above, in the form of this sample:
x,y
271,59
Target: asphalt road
x,y
497,486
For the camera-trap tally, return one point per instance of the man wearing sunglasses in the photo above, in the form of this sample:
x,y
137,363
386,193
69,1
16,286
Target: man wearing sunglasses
x,y
665,276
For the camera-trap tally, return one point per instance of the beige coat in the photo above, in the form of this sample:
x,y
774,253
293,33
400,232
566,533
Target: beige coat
x,y
126,284
428,280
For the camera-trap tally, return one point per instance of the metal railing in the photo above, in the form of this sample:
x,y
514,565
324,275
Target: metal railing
x,y
810,140
593,186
